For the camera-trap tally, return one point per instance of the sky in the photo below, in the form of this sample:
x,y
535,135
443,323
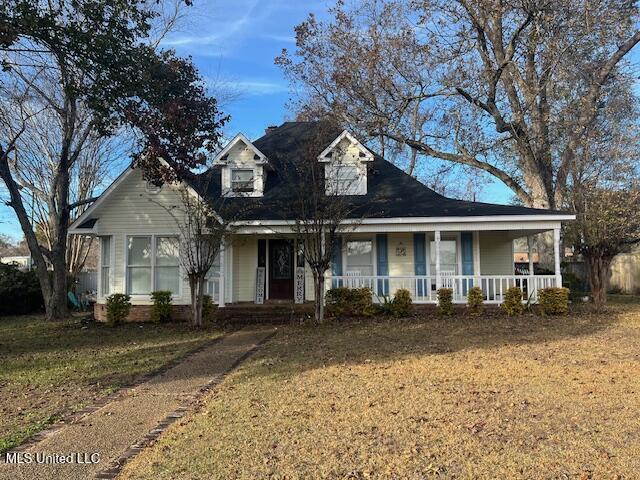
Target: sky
x,y
234,43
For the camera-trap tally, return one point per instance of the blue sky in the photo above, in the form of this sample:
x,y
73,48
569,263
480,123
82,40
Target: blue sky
x,y
234,43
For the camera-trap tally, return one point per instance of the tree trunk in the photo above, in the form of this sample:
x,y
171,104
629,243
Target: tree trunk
x,y
196,286
56,304
318,280
598,273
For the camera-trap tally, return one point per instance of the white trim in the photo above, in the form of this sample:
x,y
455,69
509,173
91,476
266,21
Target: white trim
x,y
240,137
345,134
476,253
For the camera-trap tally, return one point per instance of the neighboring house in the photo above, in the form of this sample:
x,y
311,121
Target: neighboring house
x,y
23,262
415,239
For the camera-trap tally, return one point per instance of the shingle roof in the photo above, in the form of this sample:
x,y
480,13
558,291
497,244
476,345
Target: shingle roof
x,y
391,192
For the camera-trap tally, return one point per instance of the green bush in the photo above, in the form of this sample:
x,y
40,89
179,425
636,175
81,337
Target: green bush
x,y
20,291
401,306
208,308
512,304
554,301
445,301
475,299
161,310
118,308
349,302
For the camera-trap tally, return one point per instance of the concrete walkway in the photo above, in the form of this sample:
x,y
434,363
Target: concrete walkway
x,y
111,430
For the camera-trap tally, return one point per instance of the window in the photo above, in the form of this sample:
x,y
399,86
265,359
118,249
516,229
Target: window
x,y
167,264
448,257
343,180
360,257
105,266
242,180
153,263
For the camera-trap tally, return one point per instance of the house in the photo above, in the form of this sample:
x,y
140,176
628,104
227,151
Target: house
x,y
23,262
417,239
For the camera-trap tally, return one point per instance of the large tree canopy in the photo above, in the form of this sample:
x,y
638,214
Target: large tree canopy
x,y
91,66
510,87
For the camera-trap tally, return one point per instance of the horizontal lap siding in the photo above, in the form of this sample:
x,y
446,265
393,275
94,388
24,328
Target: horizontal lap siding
x,y
245,265
496,253
131,210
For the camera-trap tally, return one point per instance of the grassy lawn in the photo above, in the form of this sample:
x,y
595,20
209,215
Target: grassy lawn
x,y
459,398
51,369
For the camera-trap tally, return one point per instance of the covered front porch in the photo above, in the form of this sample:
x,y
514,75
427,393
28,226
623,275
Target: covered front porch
x,y
266,265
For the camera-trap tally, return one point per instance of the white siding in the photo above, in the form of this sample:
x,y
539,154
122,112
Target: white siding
x,y
245,264
130,210
496,253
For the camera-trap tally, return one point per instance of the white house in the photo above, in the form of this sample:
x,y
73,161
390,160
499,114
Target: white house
x,y
418,239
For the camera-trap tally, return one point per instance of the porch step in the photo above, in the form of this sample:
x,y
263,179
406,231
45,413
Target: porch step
x,y
270,313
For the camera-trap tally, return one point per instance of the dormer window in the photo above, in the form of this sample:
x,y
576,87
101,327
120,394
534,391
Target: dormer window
x,y
345,170
242,180
243,168
343,179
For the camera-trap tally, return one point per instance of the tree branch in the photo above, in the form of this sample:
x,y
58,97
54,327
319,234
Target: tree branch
x,y
463,159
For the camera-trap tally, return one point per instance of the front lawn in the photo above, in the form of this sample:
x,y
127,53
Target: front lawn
x,y
460,398
49,369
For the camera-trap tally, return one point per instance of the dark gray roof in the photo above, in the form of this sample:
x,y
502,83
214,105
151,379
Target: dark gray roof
x,y
390,191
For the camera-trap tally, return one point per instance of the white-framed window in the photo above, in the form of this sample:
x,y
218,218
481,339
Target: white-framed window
x,y
343,179
448,257
153,263
167,264
359,257
105,266
242,180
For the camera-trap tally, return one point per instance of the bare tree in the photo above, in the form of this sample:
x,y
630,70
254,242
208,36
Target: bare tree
x,y
507,88
318,207
206,224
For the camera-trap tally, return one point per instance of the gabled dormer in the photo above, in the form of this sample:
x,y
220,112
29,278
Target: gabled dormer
x,y
243,168
345,170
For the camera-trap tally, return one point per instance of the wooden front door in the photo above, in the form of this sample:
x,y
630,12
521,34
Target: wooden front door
x,y
281,269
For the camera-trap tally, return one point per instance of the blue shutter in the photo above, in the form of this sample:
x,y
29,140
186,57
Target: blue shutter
x,y
466,238
419,260
336,263
382,262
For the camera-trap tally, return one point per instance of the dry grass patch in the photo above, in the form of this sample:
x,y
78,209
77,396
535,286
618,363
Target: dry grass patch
x,y
460,398
50,369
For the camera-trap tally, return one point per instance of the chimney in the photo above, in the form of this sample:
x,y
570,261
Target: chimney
x,y
270,128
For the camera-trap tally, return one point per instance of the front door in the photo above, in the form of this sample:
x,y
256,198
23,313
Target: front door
x,y
281,269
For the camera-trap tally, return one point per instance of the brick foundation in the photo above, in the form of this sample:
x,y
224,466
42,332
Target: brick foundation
x,y
142,313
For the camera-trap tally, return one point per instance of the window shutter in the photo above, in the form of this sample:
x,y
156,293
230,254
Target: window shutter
x,y
467,253
382,253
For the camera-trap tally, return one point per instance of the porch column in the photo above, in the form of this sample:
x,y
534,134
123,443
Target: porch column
x,y
531,281
476,260
221,278
556,255
437,242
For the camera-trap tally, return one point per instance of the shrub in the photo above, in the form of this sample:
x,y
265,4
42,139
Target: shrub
x,y
445,301
208,308
20,291
475,299
512,304
161,310
118,307
349,302
554,301
401,306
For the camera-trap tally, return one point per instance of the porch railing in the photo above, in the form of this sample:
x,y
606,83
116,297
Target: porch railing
x,y
423,289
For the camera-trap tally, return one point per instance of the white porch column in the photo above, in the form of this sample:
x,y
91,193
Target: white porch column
x,y
532,288
327,274
556,256
476,260
221,278
437,242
